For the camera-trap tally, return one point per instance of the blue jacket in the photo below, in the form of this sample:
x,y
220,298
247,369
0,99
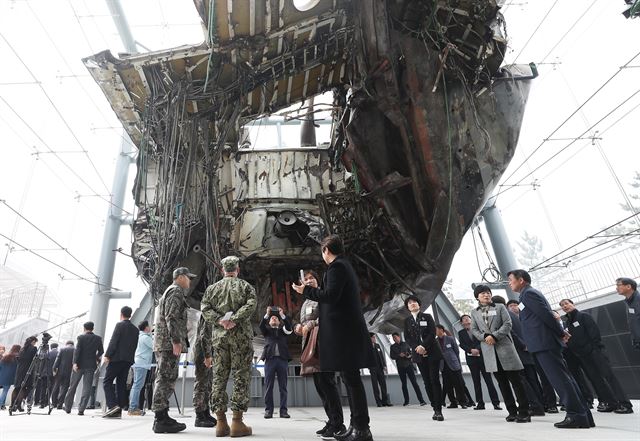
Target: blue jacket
x,y
540,329
144,351
8,372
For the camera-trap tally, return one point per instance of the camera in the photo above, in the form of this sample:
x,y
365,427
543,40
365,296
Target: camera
x,y
275,310
45,338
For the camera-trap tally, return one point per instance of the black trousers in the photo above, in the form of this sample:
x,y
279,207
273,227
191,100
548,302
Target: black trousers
x,y
452,382
506,380
327,389
476,366
578,374
275,367
403,373
558,374
379,383
60,388
598,369
532,387
430,371
118,371
357,399
43,391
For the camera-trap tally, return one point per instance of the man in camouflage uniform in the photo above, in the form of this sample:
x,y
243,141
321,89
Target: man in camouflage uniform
x,y
228,306
202,358
170,342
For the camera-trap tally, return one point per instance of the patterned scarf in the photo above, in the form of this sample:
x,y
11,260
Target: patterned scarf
x,y
485,314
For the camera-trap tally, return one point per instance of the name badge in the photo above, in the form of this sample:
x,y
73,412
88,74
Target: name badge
x,y
309,310
448,346
423,323
520,306
575,324
632,311
491,313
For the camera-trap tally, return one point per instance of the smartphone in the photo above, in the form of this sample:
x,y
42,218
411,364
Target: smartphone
x,y
301,276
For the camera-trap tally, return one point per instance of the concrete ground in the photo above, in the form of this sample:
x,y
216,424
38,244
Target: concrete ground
x,y
390,423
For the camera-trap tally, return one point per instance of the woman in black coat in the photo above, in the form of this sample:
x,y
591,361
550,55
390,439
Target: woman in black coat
x,y
344,344
25,357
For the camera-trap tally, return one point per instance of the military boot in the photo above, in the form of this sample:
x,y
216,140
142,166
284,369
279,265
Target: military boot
x,y
239,428
203,421
209,417
222,428
163,424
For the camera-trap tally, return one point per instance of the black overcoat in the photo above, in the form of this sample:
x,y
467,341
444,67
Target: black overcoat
x,y
344,342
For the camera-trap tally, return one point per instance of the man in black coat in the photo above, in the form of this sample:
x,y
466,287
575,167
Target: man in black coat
x,y
119,358
343,337
420,332
88,351
276,328
471,347
62,368
378,372
586,344
400,351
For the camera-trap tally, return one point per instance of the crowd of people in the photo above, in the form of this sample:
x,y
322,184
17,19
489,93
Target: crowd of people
x,y
535,355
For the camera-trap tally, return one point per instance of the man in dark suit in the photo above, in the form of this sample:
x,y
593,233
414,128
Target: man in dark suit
x,y
471,347
544,337
378,372
62,368
119,358
586,344
400,351
276,328
420,332
344,342
86,357
45,381
451,369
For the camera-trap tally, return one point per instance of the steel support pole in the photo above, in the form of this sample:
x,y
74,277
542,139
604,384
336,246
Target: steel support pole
x,y
499,241
102,292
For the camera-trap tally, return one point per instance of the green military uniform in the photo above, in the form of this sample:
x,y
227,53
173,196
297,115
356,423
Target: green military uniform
x,y
233,348
170,327
204,376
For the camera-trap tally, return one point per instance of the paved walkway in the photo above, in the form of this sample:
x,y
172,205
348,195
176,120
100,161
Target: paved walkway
x,y
387,424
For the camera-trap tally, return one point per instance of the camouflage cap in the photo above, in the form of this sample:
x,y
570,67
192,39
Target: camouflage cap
x,y
183,271
230,263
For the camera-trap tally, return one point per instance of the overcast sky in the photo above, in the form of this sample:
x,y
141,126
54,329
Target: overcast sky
x,y
48,103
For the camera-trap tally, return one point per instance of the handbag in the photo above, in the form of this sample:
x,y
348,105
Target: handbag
x,y
309,359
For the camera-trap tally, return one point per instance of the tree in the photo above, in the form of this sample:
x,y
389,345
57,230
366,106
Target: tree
x,y
463,306
530,249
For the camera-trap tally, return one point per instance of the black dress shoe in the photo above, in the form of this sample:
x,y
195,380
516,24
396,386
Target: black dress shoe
x,y
437,416
360,435
551,409
341,436
284,414
268,414
331,431
523,419
388,404
423,403
511,418
379,404
623,410
572,423
497,407
405,404
323,430
452,406
479,406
